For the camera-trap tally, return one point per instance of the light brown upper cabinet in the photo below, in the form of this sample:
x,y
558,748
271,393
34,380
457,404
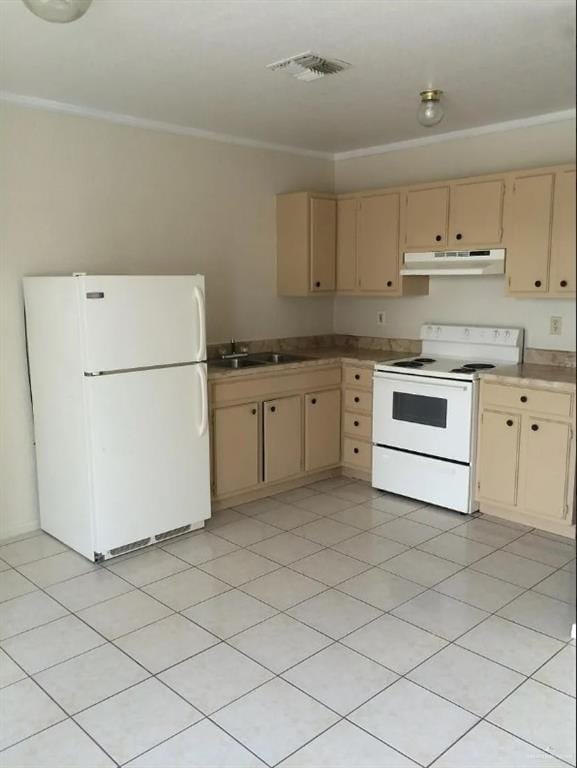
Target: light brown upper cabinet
x,y
476,213
426,218
540,233
529,234
306,244
368,247
562,274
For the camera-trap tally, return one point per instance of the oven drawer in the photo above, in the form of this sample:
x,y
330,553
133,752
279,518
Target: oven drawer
x,y
356,400
422,477
358,377
527,399
357,425
357,453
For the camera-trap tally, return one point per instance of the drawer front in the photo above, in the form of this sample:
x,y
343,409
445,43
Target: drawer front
x,y
358,426
356,400
527,399
357,453
358,377
268,387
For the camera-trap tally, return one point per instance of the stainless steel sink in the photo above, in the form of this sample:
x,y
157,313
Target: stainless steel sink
x,y
278,358
237,362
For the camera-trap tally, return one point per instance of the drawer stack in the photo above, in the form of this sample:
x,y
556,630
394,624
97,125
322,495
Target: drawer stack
x,y
357,418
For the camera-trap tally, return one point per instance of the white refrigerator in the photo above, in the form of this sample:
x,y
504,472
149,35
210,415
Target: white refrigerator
x,y
119,395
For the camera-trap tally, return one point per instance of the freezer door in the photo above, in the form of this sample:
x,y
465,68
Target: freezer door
x,y
149,452
141,321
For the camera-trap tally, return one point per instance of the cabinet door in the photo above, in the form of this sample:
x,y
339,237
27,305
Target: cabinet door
x,y
544,467
426,218
562,276
347,245
476,214
529,233
322,429
498,457
236,448
282,438
378,244
323,223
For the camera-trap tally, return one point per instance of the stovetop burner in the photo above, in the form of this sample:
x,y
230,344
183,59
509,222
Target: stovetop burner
x,y
478,366
408,364
424,360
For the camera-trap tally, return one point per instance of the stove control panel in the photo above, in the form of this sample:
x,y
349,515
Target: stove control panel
x,y
472,334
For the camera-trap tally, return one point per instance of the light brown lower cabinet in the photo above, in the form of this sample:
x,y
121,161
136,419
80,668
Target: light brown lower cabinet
x,y
282,427
236,446
526,456
322,429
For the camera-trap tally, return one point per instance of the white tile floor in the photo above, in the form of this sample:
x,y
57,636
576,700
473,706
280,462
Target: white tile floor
x,y
329,626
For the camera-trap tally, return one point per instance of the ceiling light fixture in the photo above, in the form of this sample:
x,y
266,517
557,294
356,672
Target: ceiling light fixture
x,y
431,110
58,11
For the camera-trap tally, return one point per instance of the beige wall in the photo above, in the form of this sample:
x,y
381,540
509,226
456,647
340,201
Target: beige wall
x,y
461,300
85,195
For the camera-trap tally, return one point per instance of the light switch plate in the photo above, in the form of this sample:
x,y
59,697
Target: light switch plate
x,y
381,317
555,326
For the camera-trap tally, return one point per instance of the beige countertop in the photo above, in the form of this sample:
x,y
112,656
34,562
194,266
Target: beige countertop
x,y
320,356
534,374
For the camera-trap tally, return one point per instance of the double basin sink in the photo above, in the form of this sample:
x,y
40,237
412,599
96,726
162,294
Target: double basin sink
x,y
264,358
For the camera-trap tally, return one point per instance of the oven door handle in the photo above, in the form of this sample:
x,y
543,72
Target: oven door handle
x,y
418,381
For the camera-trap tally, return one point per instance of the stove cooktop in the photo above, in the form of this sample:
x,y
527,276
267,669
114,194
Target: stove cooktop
x,y
446,367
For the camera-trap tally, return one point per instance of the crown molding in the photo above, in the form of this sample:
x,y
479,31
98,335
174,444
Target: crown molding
x,y
33,102
437,138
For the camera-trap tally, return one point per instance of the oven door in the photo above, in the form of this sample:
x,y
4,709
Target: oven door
x,y
427,416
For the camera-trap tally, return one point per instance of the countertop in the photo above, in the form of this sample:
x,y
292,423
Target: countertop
x,y
534,374
321,356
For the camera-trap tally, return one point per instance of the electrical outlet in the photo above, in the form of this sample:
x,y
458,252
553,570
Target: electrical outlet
x,y
381,317
555,326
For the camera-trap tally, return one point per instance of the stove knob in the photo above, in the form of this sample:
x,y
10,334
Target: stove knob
x,y
467,332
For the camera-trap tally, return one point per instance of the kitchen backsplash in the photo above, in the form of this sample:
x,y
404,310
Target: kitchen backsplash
x,y
348,341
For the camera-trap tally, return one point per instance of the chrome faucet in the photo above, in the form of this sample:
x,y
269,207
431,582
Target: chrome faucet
x,y
233,351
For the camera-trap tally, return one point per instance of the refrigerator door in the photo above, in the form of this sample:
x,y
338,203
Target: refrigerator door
x,y
150,452
141,321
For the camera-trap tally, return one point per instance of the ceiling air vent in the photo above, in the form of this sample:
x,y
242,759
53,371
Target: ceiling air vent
x,y
309,66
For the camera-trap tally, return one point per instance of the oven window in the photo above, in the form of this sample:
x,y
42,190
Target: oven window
x,y
430,411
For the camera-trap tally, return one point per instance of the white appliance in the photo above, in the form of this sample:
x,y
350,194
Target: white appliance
x,y
119,394
480,262
425,413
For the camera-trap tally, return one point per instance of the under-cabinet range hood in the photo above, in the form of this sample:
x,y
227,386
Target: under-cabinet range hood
x,y
480,262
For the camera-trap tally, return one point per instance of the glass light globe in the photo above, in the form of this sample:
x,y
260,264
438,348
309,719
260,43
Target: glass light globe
x,y
430,110
58,11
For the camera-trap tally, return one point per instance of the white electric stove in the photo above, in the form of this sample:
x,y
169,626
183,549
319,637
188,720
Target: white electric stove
x,y
425,413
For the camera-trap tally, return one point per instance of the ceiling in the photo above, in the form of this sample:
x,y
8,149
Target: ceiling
x,y
202,64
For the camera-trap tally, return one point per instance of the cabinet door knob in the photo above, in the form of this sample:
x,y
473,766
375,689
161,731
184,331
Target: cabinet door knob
x,y
355,450
438,238
314,401
537,283
563,283
534,427
357,399
273,408
459,236
253,411
389,283
523,398
317,284
509,422
357,376
356,423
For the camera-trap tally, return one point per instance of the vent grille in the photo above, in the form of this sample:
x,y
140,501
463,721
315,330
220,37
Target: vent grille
x,y
173,532
129,547
309,66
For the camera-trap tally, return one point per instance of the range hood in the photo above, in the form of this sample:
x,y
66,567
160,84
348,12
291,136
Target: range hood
x,y
480,262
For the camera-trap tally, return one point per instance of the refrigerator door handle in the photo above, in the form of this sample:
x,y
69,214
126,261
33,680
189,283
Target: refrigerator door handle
x,y
201,322
203,426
